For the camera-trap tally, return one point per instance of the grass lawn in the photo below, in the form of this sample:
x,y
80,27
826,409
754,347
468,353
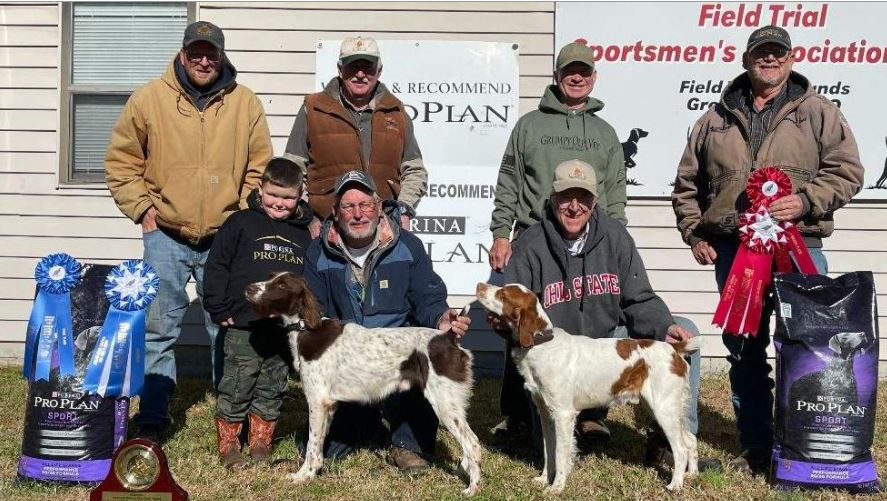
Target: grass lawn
x,y
613,473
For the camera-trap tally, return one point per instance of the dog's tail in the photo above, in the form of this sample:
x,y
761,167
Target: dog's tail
x,y
692,344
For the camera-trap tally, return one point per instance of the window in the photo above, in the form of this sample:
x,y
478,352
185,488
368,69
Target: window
x,y
109,50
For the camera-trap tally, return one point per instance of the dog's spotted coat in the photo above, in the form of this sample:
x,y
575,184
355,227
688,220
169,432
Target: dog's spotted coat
x,y
566,374
350,363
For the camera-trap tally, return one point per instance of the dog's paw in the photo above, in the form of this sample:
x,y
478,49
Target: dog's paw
x,y
300,477
471,490
554,490
675,485
541,479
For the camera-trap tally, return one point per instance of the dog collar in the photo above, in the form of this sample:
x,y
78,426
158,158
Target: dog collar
x,y
298,326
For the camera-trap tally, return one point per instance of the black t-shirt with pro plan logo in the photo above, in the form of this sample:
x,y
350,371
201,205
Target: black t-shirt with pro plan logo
x,y
250,247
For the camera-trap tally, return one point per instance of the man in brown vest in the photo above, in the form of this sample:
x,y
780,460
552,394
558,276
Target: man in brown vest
x,y
355,123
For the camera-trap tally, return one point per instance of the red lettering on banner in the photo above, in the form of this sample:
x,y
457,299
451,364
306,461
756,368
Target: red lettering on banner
x,y
711,14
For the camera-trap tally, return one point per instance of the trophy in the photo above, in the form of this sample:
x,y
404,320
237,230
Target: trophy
x,y
139,472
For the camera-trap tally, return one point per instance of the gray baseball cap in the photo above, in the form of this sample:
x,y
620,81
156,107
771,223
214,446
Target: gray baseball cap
x,y
769,34
204,31
354,177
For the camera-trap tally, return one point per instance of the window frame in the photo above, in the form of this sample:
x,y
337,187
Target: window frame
x,y
67,91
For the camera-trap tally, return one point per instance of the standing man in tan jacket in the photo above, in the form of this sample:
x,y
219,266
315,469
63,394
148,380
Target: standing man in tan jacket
x,y
186,151
767,116
355,123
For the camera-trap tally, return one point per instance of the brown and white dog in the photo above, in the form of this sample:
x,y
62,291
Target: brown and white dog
x,y
351,363
566,374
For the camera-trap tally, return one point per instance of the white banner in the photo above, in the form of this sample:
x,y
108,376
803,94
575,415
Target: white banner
x,y
661,64
463,99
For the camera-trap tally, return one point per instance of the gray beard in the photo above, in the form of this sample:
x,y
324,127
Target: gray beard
x,y
360,235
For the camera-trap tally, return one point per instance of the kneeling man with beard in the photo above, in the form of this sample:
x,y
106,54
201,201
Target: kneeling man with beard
x,y
365,269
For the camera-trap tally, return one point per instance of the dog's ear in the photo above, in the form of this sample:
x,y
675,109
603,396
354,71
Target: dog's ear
x,y
525,330
310,309
834,343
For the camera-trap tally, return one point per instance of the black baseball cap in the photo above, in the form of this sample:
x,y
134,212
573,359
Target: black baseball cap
x,y
354,177
768,34
206,32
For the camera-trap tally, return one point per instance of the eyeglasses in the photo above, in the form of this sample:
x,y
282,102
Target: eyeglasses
x,y
563,203
778,51
365,207
196,57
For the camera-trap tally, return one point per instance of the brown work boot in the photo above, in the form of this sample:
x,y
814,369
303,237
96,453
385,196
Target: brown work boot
x,y
406,460
261,434
751,462
229,443
590,435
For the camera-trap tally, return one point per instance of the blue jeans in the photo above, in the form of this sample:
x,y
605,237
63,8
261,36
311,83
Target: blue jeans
x,y
750,381
175,262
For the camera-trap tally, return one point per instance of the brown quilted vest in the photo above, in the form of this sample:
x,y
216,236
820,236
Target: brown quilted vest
x,y
334,148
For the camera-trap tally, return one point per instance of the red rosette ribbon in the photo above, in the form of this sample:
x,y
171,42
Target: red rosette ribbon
x,y
763,240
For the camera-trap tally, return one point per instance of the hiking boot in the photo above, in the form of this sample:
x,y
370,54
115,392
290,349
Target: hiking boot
x,y
406,460
510,428
229,444
660,456
751,461
261,435
590,434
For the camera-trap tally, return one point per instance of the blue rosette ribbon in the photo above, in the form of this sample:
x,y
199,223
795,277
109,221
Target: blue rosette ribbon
x,y
117,366
50,338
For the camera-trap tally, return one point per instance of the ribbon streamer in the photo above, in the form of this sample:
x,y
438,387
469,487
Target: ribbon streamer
x,y
50,326
117,366
764,242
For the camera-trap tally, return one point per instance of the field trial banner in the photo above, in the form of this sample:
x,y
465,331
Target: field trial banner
x,y
660,65
463,99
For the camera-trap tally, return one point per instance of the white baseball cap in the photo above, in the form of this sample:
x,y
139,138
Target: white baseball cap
x,y
354,48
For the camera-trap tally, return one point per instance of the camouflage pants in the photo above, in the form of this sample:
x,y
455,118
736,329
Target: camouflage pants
x,y
254,375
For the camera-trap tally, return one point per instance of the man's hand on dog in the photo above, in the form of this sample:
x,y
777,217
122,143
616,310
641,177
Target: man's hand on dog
x,y
453,321
677,334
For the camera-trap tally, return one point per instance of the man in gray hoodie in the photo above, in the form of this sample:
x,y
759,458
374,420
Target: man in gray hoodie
x,y
565,126
590,279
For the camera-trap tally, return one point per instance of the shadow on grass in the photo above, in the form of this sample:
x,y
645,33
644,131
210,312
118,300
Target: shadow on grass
x,y
189,391
717,430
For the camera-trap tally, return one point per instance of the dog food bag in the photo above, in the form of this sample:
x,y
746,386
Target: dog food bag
x,y
826,345
71,435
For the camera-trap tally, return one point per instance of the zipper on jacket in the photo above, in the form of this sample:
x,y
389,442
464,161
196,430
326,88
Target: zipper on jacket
x,y
745,134
202,165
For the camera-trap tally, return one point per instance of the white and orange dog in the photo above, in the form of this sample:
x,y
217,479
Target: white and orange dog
x,y
566,374
351,363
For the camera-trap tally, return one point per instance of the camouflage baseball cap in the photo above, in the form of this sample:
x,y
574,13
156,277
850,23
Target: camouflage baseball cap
x,y
206,32
768,34
577,51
